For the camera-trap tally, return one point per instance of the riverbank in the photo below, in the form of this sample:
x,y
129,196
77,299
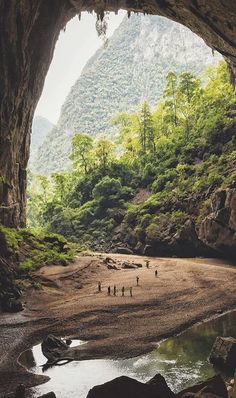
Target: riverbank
x,y
67,303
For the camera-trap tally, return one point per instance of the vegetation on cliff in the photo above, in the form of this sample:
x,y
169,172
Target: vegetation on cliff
x,y
26,250
153,187
30,249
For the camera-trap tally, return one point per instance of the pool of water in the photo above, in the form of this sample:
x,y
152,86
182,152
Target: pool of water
x,y
182,360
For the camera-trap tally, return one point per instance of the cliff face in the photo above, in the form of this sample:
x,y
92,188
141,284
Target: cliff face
x,y
29,30
28,34
130,69
218,229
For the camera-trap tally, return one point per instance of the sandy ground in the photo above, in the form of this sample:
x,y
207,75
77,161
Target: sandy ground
x,y
67,303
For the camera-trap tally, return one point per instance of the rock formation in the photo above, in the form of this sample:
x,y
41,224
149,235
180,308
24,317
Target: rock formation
x,y
213,387
127,387
218,229
29,30
223,352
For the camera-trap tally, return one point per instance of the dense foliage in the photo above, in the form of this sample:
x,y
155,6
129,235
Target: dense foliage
x,y
176,154
30,249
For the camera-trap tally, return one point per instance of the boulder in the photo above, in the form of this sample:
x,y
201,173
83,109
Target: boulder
x,y
163,389
138,265
112,266
213,387
109,260
54,348
223,352
127,387
124,250
10,304
127,265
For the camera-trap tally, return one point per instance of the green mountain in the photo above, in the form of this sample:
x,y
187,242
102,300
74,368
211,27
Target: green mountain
x,y
131,68
40,128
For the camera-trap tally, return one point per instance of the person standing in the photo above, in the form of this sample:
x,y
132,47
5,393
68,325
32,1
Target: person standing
x,y
109,290
147,263
156,273
131,291
137,280
99,287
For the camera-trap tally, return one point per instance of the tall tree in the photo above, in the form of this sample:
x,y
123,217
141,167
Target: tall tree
x,y
170,95
104,152
81,155
146,129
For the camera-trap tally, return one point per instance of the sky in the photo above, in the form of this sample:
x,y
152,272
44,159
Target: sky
x,y
73,49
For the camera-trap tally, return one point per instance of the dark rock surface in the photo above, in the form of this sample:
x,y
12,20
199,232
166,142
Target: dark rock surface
x,y
218,229
223,352
124,250
126,387
53,348
157,387
213,387
128,265
10,293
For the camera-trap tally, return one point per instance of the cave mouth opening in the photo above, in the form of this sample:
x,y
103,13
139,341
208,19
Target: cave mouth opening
x,y
152,81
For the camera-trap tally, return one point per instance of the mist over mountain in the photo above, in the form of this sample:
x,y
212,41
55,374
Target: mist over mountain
x,y
131,68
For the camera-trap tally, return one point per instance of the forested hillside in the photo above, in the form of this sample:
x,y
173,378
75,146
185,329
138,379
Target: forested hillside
x,y
131,68
40,128
165,187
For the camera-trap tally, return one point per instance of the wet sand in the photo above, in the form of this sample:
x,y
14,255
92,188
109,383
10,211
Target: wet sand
x,y
67,303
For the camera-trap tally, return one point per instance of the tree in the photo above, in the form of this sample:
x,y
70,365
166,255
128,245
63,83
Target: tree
x,y
62,183
81,155
104,152
188,87
170,95
188,84
146,130
128,138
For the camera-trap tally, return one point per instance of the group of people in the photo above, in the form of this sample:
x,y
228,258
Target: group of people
x,y
115,290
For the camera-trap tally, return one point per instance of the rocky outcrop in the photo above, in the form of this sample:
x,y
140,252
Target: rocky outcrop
x,y
10,293
55,349
211,388
29,31
157,387
166,238
218,229
126,387
223,352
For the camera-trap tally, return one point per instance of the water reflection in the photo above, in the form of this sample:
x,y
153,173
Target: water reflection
x,y
182,360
